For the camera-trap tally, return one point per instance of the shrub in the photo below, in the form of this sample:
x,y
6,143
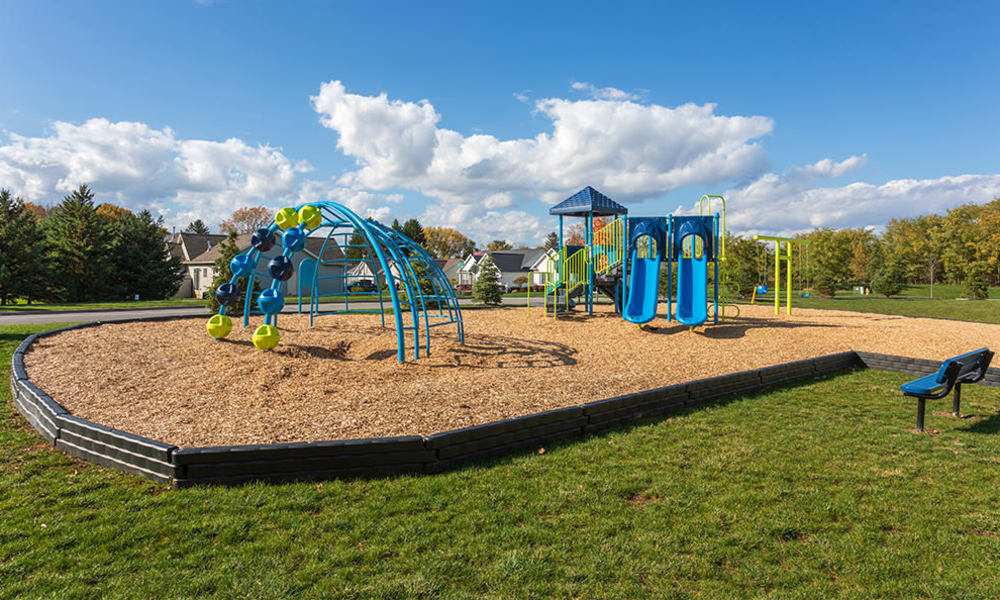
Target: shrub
x,y
227,251
884,282
977,281
825,284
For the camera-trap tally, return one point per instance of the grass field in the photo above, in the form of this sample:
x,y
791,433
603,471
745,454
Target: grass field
x,y
816,491
964,310
69,306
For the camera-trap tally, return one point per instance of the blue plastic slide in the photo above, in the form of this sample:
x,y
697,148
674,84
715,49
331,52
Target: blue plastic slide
x,y
643,289
692,288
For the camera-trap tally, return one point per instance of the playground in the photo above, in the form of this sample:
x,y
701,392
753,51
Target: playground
x,y
340,378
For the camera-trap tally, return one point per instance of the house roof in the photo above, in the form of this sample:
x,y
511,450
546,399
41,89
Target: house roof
x,y
450,263
313,247
588,200
192,245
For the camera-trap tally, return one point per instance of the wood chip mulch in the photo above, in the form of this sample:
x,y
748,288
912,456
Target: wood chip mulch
x,y
170,381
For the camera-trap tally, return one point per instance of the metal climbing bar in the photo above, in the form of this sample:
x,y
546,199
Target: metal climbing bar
x,y
609,249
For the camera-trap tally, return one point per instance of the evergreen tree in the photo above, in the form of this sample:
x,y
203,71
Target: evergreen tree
x,y
413,230
22,250
227,250
357,247
142,264
197,226
79,241
396,225
487,288
552,241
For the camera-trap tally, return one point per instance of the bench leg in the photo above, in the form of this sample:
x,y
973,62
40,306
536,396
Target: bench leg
x,y
957,401
920,414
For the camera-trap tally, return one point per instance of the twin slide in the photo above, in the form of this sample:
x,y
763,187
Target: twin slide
x,y
692,285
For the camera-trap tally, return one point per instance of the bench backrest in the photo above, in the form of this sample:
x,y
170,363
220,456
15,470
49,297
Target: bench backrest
x,y
971,362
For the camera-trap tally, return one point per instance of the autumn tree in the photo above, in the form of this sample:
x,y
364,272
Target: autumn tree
x,y
577,232
498,245
112,212
38,210
445,242
247,220
915,247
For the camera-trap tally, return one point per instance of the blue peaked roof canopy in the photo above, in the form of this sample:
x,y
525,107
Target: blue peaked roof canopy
x,y
588,200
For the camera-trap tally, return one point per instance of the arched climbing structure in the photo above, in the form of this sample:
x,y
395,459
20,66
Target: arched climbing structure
x,y
420,294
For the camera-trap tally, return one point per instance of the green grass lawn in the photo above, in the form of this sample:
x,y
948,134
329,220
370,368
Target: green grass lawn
x,y
103,305
963,310
816,491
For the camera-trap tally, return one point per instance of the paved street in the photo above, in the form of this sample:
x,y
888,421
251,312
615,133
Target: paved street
x,y
122,314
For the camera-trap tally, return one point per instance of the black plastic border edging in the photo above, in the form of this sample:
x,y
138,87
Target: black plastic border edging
x,y
375,457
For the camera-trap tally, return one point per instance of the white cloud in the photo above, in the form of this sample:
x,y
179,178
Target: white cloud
x,y
829,169
606,93
629,150
136,166
792,202
499,200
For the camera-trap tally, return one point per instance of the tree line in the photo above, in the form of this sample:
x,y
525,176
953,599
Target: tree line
x,y
959,247
79,251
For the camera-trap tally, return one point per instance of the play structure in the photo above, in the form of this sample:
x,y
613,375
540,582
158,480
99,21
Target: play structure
x,y
778,258
622,260
420,294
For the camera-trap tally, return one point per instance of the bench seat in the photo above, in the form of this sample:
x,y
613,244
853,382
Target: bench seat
x,y
958,370
925,386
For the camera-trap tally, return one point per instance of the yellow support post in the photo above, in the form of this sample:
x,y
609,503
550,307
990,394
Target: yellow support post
x,y
788,278
777,277
777,269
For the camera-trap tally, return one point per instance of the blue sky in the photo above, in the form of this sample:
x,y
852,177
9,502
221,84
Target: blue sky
x,y
803,114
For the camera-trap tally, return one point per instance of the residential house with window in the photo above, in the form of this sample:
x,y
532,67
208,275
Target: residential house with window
x,y
201,268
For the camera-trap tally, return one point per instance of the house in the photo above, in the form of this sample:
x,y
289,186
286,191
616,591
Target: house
x,y
466,272
362,271
512,264
188,247
201,268
451,268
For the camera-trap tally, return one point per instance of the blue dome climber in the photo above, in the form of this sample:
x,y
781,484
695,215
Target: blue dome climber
x,y
271,301
227,294
262,239
242,265
294,239
420,294
280,268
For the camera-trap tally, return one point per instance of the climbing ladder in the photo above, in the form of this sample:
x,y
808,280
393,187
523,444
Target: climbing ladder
x,y
567,273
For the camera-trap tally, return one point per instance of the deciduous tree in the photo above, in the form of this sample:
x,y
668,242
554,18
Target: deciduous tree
x,y
445,242
247,220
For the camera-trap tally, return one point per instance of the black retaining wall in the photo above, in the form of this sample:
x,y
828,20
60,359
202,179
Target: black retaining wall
x,y
916,366
407,454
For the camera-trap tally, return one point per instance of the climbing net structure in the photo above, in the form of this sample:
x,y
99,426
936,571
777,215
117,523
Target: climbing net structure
x,y
420,293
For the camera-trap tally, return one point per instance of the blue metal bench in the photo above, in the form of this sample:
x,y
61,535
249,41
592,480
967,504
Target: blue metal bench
x,y
966,368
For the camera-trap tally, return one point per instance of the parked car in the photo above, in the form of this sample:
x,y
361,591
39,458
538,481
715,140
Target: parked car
x,y
363,285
